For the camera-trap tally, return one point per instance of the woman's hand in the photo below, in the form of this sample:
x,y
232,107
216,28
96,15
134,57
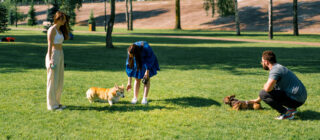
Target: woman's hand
x,y
51,64
146,75
129,87
129,83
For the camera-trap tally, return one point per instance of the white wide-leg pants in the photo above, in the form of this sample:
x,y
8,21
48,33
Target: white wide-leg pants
x,y
55,79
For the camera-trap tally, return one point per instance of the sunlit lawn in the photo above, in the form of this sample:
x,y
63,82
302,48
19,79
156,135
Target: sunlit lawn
x,y
278,36
185,98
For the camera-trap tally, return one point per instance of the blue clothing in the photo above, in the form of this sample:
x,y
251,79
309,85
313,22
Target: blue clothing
x,y
148,59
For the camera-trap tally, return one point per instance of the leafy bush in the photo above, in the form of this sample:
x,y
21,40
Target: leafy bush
x,y
3,18
32,16
92,19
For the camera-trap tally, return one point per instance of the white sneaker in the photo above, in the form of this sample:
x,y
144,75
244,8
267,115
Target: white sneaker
x,y
144,101
55,108
134,100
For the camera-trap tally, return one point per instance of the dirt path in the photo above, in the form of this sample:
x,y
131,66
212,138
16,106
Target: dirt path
x,y
198,37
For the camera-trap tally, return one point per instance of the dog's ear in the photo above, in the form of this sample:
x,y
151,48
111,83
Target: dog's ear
x,y
116,86
122,86
226,100
232,96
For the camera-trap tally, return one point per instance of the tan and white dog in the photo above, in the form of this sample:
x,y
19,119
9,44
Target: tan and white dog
x,y
112,95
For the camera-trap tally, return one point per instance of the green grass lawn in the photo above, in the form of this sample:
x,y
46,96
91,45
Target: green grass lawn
x,y
278,36
185,97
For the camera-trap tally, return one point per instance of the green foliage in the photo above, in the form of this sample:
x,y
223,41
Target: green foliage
x,y
3,18
69,7
11,17
207,4
226,7
13,11
50,12
32,16
66,6
92,19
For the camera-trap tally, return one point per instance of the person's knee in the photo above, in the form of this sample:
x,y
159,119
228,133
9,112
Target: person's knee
x,y
263,94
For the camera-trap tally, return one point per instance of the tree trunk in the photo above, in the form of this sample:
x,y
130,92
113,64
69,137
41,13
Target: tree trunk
x,y
130,16
178,22
270,20
105,15
295,18
110,25
127,15
237,16
16,9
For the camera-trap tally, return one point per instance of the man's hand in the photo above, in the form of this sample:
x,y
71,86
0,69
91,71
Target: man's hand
x,y
256,100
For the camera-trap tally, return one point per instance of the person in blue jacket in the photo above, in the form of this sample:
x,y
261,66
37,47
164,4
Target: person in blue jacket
x,y
141,64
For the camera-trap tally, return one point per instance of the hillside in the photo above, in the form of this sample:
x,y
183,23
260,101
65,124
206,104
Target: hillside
x,y
161,14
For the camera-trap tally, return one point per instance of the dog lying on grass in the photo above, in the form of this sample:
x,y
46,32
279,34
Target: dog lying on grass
x,y
112,95
241,105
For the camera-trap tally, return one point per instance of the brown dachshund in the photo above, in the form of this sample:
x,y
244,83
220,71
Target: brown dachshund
x,y
240,105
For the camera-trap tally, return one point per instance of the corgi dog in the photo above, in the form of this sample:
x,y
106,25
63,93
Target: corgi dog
x,y
112,95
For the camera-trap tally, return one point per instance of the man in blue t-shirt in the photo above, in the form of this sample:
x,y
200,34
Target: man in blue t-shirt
x,y
283,91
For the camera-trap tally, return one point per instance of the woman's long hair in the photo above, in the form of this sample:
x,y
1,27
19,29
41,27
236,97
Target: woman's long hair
x,y
134,52
63,28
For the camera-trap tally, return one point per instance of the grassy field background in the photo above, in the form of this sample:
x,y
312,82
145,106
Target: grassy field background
x,y
185,97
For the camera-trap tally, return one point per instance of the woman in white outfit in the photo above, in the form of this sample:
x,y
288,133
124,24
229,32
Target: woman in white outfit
x,y
55,60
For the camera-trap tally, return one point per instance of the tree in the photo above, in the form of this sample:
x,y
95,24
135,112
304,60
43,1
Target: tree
x,y
92,21
32,16
178,17
13,12
11,17
295,18
226,7
129,14
207,4
270,20
105,15
66,6
3,18
53,10
110,25
236,16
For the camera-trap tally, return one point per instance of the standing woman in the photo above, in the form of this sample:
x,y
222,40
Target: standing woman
x,y
55,60
141,64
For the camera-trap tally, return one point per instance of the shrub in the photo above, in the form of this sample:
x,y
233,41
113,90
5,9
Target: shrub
x,y
3,18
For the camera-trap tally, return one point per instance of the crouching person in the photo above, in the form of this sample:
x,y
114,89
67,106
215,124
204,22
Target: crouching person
x,y
283,91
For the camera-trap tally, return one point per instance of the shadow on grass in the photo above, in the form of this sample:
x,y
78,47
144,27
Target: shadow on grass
x,y
255,18
86,53
121,17
191,102
308,115
119,107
